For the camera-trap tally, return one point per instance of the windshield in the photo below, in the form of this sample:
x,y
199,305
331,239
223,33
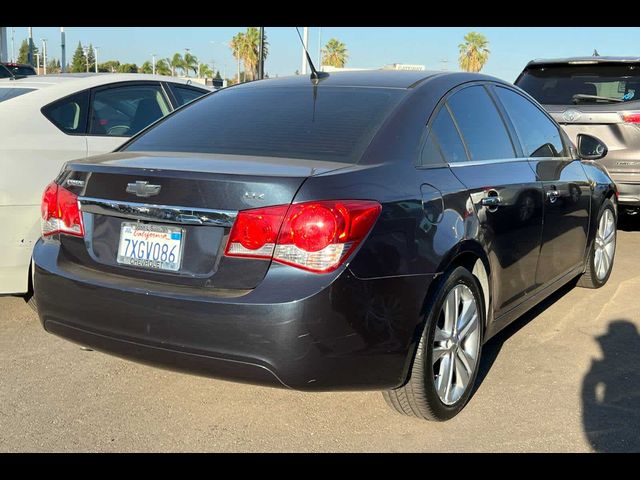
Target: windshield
x,y
276,122
7,93
582,84
19,70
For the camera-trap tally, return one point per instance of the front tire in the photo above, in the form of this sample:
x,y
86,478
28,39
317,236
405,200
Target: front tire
x,y
603,249
446,362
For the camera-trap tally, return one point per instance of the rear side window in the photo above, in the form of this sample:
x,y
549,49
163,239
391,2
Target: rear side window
x,y
125,110
480,124
579,84
186,94
325,123
539,135
7,93
444,142
70,113
18,70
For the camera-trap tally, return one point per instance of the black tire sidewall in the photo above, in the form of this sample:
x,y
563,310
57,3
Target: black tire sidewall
x,y
454,277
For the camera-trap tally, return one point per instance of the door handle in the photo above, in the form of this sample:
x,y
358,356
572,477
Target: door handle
x,y
492,201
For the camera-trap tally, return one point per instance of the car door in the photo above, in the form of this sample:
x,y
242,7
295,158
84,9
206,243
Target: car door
x,y
503,189
567,189
119,111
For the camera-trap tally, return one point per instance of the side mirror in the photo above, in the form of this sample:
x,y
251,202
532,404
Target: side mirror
x,y
590,147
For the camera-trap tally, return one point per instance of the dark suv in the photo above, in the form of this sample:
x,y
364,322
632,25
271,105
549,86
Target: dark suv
x,y
16,70
599,96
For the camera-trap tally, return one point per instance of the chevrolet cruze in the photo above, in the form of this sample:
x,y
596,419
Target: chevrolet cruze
x,y
363,231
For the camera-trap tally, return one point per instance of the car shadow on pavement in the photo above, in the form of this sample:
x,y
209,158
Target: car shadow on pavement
x,y
629,223
491,349
611,391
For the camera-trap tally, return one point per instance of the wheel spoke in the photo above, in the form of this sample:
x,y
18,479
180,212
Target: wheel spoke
x,y
450,312
444,380
466,359
438,353
462,373
441,335
468,314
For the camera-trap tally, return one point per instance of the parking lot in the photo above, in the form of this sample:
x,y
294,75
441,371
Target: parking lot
x,y
563,378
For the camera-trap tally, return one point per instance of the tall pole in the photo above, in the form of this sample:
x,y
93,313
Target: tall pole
x,y
95,51
63,56
305,42
37,55
30,54
261,55
44,55
153,64
13,48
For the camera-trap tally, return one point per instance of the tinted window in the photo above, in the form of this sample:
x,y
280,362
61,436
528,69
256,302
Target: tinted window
x,y
124,111
539,135
7,93
559,85
480,123
21,69
443,142
70,113
4,73
185,94
332,123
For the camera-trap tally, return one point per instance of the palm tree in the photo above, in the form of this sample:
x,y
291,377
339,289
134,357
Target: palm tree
x,y
335,53
176,63
162,67
205,71
190,62
237,45
473,52
146,67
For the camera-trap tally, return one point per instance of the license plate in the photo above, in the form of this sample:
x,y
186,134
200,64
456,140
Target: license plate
x,y
157,247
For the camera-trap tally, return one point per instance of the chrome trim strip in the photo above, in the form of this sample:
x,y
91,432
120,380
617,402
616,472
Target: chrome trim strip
x,y
474,163
158,213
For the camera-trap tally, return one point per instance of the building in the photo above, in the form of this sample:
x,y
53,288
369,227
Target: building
x,y
4,45
405,66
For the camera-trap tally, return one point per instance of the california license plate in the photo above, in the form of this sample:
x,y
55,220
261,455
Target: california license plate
x,y
158,247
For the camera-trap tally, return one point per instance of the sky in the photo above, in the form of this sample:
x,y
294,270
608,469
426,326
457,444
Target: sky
x,y
368,47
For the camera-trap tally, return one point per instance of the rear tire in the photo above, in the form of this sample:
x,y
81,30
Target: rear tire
x,y
603,249
439,389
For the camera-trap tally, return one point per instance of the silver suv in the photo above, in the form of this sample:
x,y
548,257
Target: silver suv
x,y
599,96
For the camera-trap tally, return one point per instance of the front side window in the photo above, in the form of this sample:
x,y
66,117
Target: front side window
x,y
70,113
125,110
480,124
539,135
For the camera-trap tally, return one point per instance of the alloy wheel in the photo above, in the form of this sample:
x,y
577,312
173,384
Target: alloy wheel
x,y
605,244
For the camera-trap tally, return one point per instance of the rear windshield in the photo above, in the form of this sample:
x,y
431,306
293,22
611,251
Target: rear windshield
x,y
334,123
21,70
581,84
7,93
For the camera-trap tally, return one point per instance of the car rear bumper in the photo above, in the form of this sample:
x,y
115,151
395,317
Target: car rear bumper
x,y
296,330
628,193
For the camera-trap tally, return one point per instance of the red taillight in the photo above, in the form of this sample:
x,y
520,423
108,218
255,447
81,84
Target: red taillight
x,y
60,212
315,236
630,117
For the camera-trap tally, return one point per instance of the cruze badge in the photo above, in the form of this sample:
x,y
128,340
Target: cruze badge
x,y
253,195
142,188
571,115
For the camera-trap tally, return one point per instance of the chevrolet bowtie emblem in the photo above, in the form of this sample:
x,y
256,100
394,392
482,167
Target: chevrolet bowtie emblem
x,y
143,188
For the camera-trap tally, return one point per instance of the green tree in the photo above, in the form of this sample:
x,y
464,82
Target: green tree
x,y
246,47
218,76
162,67
78,61
473,52
110,66
237,45
91,59
53,66
176,63
147,67
205,71
335,53
190,63
23,53
128,68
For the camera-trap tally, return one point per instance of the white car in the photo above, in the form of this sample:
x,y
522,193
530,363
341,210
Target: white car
x,y
48,120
